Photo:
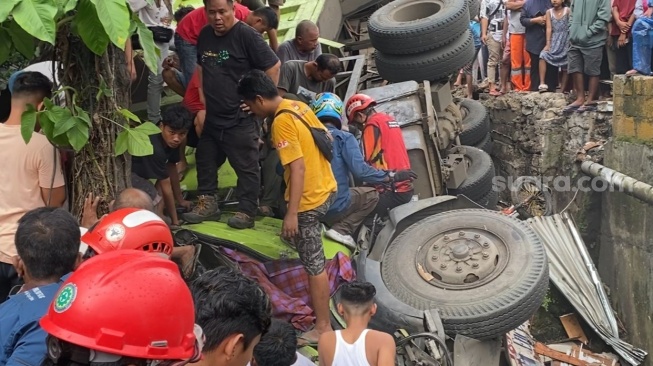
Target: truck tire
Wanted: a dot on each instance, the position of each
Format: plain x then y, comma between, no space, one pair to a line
486,144
480,173
414,26
474,9
476,122
490,200
431,65
429,266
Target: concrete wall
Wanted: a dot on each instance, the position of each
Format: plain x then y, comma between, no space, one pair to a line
626,240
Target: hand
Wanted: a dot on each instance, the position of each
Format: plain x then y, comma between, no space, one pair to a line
169,63
648,12
623,40
185,204
245,108
89,211
542,21
166,21
404,175
623,26
484,39
547,47
290,227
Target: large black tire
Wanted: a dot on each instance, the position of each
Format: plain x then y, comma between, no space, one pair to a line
494,304
490,200
476,122
474,9
486,144
414,26
431,65
480,173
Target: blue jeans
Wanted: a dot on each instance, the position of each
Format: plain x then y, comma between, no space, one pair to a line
642,44
187,54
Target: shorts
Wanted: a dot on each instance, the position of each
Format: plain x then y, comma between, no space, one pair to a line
147,187
587,61
308,242
467,70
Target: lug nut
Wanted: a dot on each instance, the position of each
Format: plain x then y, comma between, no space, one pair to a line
486,255
474,265
434,258
436,247
476,236
486,245
462,233
459,269
446,237
443,266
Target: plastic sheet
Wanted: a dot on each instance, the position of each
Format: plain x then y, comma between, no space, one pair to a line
642,32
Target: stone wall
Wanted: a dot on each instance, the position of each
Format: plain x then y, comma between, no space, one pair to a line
533,137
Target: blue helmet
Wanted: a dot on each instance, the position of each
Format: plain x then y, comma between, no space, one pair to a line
328,105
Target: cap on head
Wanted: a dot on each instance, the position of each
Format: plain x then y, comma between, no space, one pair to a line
358,103
121,303
130,228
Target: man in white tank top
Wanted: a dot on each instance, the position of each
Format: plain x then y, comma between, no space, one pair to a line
356,345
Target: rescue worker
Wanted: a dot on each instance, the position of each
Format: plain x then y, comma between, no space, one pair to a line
354,204
109,312
383,148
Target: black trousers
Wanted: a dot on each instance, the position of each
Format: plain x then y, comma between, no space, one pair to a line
551,74
8,279
239,144
389,200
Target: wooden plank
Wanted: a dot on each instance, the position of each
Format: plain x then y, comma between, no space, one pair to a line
542,349
573,328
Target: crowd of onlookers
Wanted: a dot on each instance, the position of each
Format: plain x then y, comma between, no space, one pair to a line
558,45
300,153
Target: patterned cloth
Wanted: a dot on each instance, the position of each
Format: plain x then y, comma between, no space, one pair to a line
286,282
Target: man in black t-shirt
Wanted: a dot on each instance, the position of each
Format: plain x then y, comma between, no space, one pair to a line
161,165
226,50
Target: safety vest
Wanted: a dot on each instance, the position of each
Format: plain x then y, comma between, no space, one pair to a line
392,154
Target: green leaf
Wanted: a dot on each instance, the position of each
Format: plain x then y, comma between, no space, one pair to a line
151,52
90,29
6,6
78,134
5,46
47,126
114,16
23,41
139,143
37,18
28,122
62,126
81,114
121,142
148,128
69,5
133,24
59,116
103,91
129,115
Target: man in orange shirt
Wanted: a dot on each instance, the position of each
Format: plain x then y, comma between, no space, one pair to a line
263,19
309,192
383,148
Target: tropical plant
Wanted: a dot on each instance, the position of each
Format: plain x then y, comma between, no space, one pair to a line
88,113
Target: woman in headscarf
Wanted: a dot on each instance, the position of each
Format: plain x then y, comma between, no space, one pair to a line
533,18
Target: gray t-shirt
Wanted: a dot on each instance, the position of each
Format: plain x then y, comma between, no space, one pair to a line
514,23
288,51
293,80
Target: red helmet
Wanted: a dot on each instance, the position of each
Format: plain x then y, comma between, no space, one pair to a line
122,303
357,103
130,228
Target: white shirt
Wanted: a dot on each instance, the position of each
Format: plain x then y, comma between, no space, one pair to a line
150,15
496,20
350,354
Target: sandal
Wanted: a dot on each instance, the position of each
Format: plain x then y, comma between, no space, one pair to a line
571,108
586,108
543,88
496,93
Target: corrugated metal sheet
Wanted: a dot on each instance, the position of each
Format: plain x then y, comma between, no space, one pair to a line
572,271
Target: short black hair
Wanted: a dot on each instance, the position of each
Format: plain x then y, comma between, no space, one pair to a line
304,26
357,293
226,303
32,84
206,2
278,346
177,117
182,12
330,62
47,241
257,83
268,15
